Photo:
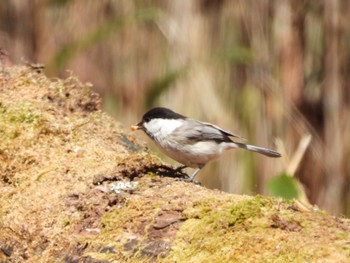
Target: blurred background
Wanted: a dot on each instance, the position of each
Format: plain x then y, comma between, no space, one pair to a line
274,72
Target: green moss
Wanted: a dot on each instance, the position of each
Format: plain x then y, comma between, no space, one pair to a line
23,114
66,222
118,218
20,125
119,224
250,230
18,119
257,229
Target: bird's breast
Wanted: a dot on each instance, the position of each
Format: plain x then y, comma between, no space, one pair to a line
191,154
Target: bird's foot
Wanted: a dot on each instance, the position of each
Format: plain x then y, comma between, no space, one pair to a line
188,180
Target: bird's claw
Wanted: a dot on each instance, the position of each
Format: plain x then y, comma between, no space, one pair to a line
188,180
180,168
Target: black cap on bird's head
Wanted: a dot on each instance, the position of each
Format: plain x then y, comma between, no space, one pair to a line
157,113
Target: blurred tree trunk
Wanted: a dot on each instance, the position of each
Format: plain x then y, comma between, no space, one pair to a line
259,23
332,107
291,63
292,53
37,13
293,73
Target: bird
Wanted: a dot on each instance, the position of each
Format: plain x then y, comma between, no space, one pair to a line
191,142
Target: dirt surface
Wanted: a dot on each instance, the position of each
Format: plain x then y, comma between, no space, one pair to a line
76,186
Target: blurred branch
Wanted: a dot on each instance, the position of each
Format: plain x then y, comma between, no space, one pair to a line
298,155
279,184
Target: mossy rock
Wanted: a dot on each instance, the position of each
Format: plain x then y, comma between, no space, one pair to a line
62,161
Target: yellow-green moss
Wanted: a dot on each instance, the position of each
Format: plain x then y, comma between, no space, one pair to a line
16,120
259,229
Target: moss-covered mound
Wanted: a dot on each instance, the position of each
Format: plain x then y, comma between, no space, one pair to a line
76,187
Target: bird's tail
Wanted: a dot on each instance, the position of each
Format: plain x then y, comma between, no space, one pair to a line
257,149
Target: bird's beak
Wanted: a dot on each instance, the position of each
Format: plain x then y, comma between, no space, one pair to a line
135,127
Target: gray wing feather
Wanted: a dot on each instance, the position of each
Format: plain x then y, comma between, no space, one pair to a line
195,131
228,133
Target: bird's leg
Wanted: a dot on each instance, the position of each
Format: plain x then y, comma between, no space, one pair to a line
191,179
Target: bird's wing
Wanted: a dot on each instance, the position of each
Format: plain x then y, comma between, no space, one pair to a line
194,131
228,133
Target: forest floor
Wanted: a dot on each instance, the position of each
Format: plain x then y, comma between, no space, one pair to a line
76,186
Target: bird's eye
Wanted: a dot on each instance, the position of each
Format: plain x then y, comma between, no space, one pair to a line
147,119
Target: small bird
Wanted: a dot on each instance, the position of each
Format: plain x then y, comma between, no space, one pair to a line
188,141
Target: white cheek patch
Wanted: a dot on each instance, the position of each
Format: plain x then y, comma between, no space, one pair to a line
163,127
